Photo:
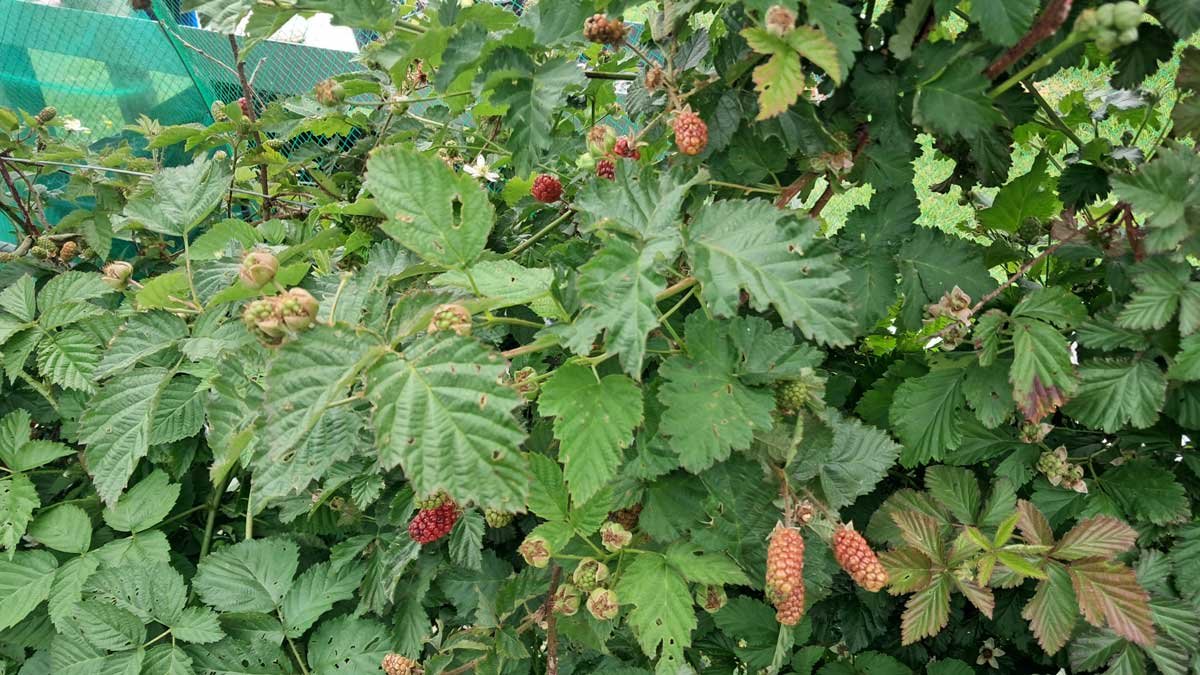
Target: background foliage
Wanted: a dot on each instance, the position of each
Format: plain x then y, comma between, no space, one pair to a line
932,271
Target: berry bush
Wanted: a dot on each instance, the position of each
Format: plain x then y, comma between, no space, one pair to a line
618,337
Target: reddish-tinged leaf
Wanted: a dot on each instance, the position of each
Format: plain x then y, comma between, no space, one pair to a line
1033,525
1108,593
921,532
1101,536
908,569
927,612
1052,612
977,595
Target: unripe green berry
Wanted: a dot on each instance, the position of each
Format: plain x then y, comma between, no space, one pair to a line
1127,15
1128,36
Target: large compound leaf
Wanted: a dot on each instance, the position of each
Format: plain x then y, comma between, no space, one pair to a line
753,246
636,204
180,197
594,419
443,416
443,217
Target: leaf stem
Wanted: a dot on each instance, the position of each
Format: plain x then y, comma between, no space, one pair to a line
745,188
1053,115
547,229
184,514
676,288
514,321
1041,62
211,520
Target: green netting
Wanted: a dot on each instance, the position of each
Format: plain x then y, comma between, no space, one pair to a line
105,64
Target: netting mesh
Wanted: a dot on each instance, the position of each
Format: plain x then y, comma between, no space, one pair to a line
106,64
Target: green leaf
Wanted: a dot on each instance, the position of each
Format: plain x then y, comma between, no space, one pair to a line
1103,333
1114,393
1163,189
179,410
533,98
237,657
1108,593
920,531
505,283
1052,612
908,569
167,660
702,567
1148,491
548,496
1042,374
20,299
839,23
443,217
218,238
778,260
617,288
1186,365
847,457
1181,16
144,505
65,528
1163,288
1100,536
931,265
250,576
642,204
780,80
18,499
69,359
1004,21
109,627
71,287
347,644
198,625
1026,199
709,412
1055,305
1080,184
663,616
25,581
306,376
180,197
442,414
955,103
925,415
594,422
989,394
315,592
143,336
927,611
466,540
957,489
116,426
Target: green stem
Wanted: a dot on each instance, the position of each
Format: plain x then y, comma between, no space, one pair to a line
1055,119
1041,62
514,321
675,289
211,520
187,261
185,514
666,315
295,652
158,637
744,188
523,246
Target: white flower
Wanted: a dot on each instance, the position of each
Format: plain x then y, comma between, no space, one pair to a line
622,88
481,170
72,124
988,654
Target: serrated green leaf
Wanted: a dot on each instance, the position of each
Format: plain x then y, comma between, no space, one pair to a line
663,616
921,532
167,660
116,426
548,496
1186,365
315,592
251,576
65,528
69,359
1147,490
180,197
1114,393
238,657
908,569
753,246
1100,536
1029,198
66,590
847,457
641,204
144,505
1163,189
957,489
71,287
1004,21
594,422
956,102
348,644
443,217
989,394
925,414
505,283
109,627
466,540
1052,612
1163,289
703,567
143,336
1042,374
931,264
709,412
20,298
442,415
198,625
18,499
533,97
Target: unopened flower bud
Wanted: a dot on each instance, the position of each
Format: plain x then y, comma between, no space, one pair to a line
258,268
535,550
117,274
299,308
614,536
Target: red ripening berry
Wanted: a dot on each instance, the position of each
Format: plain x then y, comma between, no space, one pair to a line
854,555
606,169
546,188
785,574
691,133
433,524
626,148
244,105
